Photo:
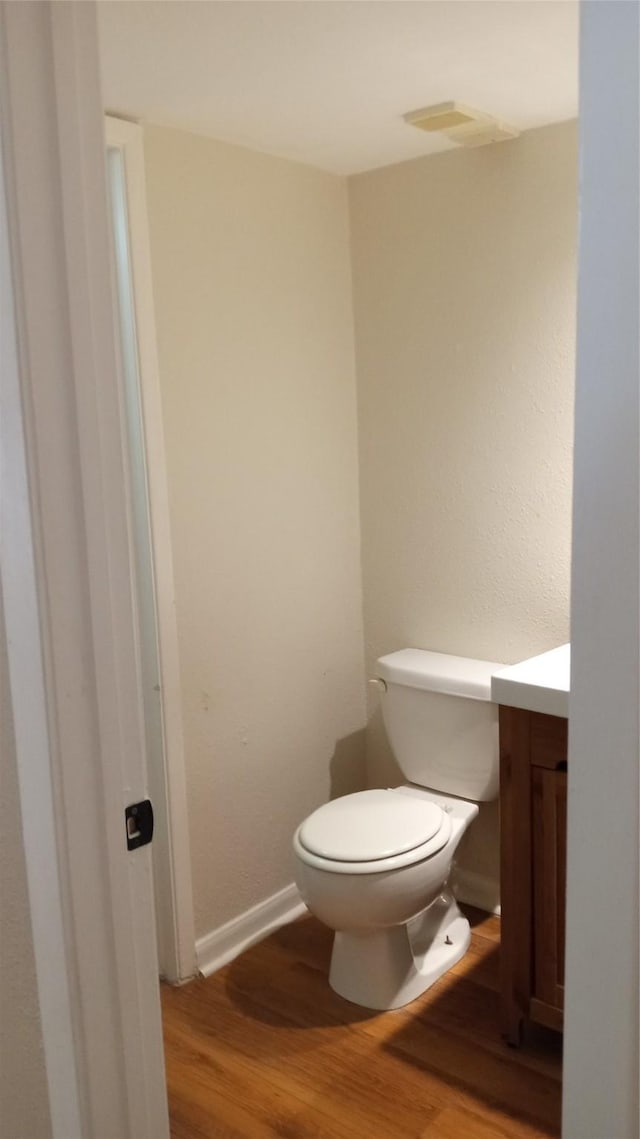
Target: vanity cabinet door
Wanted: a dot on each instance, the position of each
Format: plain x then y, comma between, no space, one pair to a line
549,842
533,843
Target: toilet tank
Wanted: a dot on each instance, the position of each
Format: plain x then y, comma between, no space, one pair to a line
440,721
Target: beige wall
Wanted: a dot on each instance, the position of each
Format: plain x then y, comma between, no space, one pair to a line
252,286
464,286
464,270
24,1100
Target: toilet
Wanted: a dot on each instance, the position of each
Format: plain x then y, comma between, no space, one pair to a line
375,866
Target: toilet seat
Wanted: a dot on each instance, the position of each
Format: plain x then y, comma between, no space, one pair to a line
372,831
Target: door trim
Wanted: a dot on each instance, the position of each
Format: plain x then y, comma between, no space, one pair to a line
29,712
67,406
172,857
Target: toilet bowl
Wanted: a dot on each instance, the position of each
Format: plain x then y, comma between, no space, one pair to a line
374,866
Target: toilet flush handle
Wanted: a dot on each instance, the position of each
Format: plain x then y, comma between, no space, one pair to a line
379,683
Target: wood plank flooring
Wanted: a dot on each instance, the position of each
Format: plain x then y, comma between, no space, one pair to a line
265,1048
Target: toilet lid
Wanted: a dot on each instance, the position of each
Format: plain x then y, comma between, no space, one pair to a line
370,825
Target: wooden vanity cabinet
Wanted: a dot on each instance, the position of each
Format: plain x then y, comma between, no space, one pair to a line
533,828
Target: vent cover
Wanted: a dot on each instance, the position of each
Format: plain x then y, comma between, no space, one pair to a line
461,124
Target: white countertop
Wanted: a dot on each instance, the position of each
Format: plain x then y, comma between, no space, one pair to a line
540,684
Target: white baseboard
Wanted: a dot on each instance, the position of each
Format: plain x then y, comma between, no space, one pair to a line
222,945
476,890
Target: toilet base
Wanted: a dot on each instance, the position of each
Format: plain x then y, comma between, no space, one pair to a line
388,968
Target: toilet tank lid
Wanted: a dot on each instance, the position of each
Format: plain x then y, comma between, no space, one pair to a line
439,672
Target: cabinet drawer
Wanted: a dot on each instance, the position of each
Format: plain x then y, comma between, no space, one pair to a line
547,741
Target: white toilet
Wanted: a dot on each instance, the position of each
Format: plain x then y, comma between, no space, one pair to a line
374,866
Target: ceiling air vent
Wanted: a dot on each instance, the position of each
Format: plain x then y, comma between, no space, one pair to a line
461,124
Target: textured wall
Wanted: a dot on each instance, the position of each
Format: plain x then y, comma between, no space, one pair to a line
24,1100
464,270
252,286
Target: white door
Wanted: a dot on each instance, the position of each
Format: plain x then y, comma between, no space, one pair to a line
601,1056
67,575
158,636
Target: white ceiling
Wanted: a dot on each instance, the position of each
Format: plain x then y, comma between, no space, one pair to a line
326,82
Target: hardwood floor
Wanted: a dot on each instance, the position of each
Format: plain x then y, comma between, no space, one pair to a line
264,1048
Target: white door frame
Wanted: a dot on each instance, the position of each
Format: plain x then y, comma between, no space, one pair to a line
167,780
67,580
31,729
